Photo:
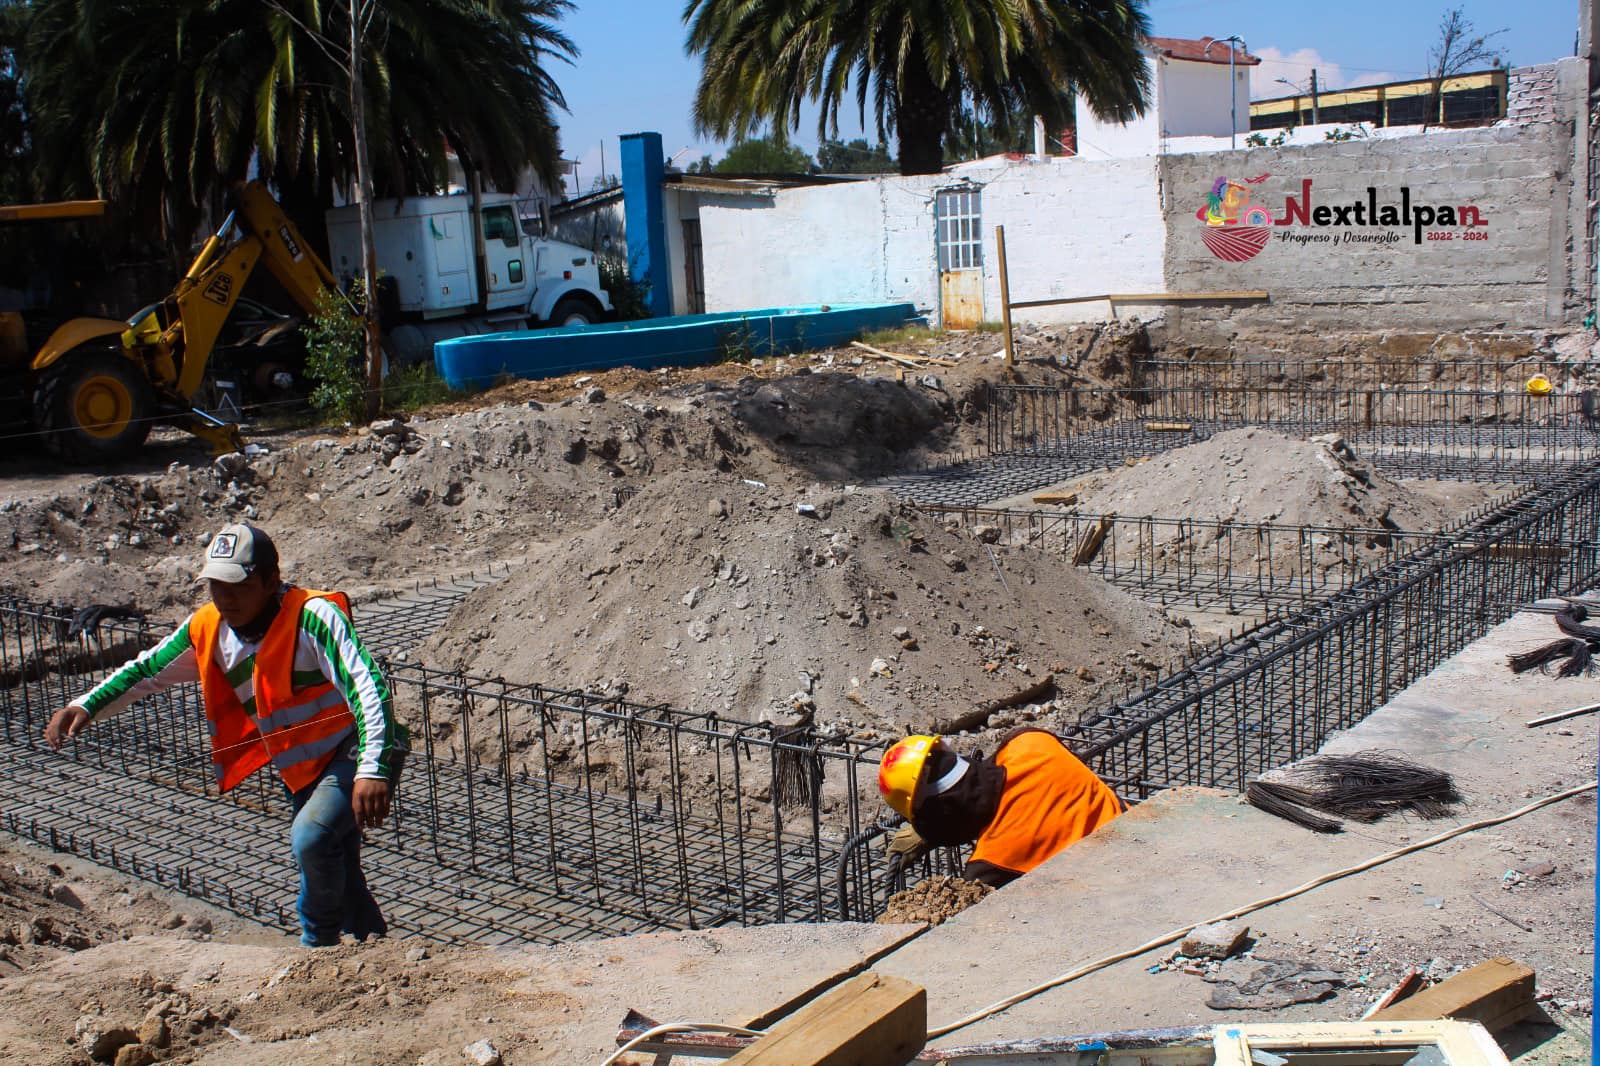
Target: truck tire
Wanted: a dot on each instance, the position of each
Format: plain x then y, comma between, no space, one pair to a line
573,311
94,406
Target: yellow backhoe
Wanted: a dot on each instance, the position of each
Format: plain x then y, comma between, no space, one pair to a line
99,384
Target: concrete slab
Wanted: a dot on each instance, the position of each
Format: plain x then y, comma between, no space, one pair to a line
1191,854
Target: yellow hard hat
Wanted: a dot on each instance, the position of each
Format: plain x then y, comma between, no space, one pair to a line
1539,385
901,769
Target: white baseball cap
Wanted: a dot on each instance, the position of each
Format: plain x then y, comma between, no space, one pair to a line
237,552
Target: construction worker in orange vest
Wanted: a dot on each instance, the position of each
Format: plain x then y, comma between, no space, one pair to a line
1029,801
285,681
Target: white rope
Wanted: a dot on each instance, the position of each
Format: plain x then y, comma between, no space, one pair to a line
1179,934
677,1027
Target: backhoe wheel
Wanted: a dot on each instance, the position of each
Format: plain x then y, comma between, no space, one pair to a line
94,406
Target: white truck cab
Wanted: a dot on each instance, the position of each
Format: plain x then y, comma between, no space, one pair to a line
429,246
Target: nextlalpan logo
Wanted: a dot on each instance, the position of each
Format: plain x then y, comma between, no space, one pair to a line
1237,227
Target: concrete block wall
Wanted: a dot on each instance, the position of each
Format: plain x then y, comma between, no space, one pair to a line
1531,94
1516,270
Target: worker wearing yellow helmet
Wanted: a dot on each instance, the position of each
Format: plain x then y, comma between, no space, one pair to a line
1021,806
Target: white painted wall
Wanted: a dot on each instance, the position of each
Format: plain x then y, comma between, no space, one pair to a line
1073,228
1121,140
1194,97
1189,99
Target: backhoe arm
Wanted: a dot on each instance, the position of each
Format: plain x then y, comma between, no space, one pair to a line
301,272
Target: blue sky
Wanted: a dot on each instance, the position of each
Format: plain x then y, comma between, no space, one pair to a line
633,74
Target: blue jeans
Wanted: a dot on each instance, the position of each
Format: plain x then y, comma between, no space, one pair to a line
327,848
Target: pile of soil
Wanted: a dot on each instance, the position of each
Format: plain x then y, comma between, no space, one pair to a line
716,593
1256,475
935,901
439,495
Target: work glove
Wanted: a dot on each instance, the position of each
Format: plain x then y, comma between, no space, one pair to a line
906,848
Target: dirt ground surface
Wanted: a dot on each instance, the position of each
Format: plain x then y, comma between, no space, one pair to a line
704,538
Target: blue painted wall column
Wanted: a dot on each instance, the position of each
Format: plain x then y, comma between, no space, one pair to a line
645,215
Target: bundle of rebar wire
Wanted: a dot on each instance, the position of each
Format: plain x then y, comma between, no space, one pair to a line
1363,787
1577,647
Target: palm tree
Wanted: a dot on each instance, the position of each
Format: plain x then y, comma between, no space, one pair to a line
189,95
916,60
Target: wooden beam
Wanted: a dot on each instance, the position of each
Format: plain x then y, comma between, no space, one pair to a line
58,210
1169,427
903,360
871,1018
1496,994
1149,297
1005,292
1062,498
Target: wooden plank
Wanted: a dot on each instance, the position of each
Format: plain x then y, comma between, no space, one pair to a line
1169,427
1495,994
767,1018
1150,297
1409,984
1062,498
58,210
903,360
871,1018
1089,547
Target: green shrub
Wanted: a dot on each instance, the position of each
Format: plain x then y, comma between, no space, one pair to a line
627,296
335,362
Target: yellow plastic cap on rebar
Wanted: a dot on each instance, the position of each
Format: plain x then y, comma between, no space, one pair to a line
901,769
1539,385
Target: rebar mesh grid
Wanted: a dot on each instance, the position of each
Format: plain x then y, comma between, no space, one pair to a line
527,813
1218,564
1273,694
1452,435
1510,375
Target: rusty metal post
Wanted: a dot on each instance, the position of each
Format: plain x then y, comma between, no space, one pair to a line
1005,290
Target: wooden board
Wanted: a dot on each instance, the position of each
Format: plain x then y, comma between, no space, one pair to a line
1496,994
1169,427
1062,498
868,1019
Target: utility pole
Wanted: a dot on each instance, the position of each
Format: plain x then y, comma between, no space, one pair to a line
1233,44
1316,114
369,264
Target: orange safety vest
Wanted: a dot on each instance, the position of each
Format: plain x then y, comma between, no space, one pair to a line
1050,800
298,730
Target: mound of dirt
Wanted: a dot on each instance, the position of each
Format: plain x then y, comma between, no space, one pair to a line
935,901
440,495
1256,475
720,594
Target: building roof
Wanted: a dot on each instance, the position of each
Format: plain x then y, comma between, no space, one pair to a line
1195,50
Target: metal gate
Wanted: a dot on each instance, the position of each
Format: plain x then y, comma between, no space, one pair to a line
960,242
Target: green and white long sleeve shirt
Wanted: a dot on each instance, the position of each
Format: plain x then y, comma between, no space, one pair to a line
327,649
